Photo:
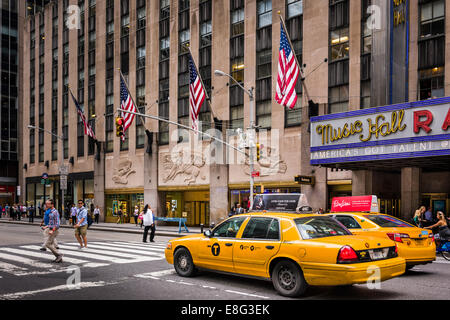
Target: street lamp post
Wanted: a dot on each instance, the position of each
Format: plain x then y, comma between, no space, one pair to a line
251,159
62,168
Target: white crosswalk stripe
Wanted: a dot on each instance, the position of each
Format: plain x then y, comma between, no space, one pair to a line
29,260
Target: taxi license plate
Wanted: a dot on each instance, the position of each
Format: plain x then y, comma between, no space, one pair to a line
419,242
378,254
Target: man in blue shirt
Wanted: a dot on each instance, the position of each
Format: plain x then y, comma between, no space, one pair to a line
43,225
428,217
52,229
82,224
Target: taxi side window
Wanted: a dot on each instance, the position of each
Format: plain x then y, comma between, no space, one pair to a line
262,228
348,221
229,228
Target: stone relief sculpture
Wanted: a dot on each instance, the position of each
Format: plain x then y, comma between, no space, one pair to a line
269,164
122,171
188,166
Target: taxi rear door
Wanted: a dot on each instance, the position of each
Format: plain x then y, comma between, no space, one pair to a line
259,242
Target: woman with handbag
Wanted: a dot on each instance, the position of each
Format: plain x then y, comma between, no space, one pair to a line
149,224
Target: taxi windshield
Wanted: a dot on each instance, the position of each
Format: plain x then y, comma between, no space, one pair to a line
387,221
279,202
320,227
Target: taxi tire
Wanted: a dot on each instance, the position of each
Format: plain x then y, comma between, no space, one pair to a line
183,264
288,279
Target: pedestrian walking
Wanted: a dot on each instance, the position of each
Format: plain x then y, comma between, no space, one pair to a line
52,230
141,218
73,214
44,224
149,224
96,214
82,224
136,215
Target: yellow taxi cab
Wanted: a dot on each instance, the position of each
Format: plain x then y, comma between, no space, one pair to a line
414,244
293,250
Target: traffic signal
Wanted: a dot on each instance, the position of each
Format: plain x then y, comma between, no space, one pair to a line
258,151
119,126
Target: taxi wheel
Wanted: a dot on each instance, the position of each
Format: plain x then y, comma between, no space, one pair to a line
183,263
288,280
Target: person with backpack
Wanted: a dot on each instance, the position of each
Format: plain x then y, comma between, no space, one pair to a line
149,223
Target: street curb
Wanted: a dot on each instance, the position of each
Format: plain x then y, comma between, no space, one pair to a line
159,233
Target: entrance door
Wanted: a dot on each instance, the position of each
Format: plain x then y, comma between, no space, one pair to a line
435,201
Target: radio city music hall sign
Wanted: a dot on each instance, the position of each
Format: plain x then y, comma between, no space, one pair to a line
416,129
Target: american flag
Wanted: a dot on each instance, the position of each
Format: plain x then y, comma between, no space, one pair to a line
197,93
87,128
288,72
126,103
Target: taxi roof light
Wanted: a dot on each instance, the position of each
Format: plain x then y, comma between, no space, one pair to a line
347,255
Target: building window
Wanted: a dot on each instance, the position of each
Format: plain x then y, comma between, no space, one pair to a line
339,50
263,91
164,55
294,26
431,49
431,83
366,56
264,11
204,64
237,65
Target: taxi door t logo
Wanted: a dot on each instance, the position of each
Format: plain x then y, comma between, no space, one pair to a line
215,249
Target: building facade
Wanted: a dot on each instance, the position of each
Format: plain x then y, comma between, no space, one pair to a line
354,55
11,21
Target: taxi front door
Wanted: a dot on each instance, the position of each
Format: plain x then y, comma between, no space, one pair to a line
216,252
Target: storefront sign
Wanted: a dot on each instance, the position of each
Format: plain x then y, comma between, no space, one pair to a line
305,180
355,204
409,130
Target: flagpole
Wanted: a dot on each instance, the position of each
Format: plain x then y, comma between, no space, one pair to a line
295,56
126,85
86,119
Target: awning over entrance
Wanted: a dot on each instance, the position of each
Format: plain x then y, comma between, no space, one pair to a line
413,134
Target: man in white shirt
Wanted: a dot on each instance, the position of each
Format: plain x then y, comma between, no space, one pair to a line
149,223
96,214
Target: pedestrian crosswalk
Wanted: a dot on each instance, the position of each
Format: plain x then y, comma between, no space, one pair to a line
29,260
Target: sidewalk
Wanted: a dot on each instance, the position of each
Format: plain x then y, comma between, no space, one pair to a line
161,230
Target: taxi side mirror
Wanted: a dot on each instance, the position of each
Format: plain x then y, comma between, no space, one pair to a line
207,233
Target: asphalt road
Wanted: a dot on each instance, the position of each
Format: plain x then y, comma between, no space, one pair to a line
119,266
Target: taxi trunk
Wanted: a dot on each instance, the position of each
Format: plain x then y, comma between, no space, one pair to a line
375,260
414,244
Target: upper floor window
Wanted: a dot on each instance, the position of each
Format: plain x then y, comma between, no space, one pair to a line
432,18
264,10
